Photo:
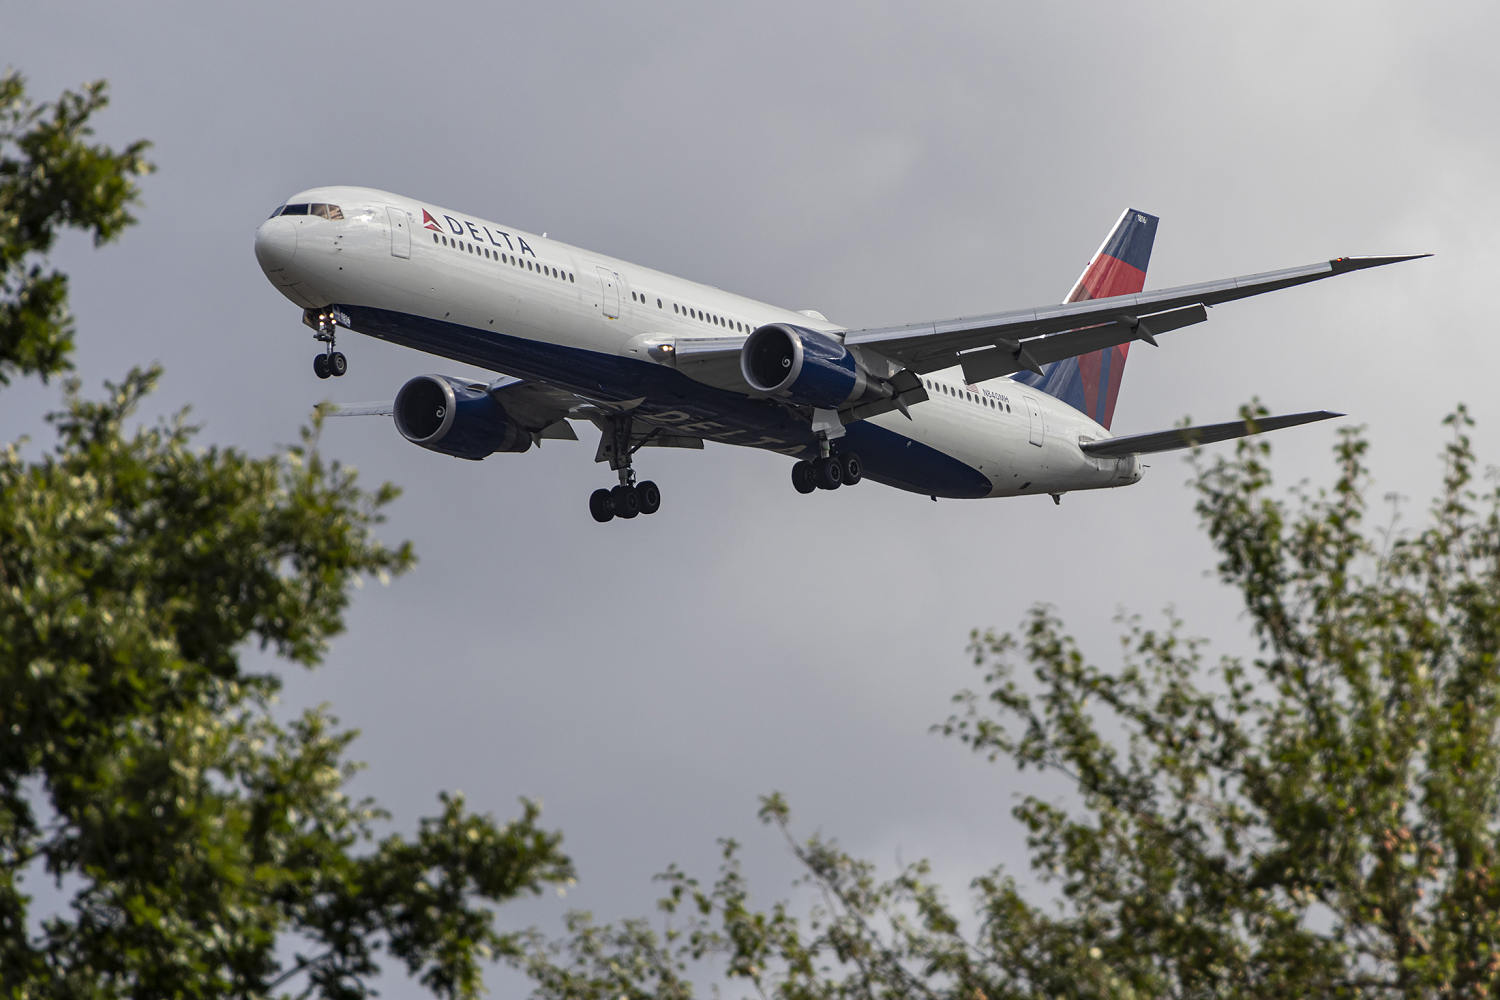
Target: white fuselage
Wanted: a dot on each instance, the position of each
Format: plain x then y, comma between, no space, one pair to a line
465,288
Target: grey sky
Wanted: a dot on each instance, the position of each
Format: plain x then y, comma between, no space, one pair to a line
880,163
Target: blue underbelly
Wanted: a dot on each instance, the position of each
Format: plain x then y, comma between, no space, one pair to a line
674,401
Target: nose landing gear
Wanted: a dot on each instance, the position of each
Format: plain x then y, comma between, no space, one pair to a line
330,362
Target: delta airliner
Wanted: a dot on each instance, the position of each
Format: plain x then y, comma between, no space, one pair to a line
998,405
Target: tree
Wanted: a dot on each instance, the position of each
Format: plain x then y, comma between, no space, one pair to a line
1318,818
198,846
51,178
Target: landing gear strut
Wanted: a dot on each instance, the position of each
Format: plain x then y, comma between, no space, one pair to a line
330,362
630,497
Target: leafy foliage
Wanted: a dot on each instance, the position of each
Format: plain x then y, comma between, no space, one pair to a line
1316,818
198,844
51,178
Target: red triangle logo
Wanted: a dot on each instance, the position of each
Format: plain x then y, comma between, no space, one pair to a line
428,222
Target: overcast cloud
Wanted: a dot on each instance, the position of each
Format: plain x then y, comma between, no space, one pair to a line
881,163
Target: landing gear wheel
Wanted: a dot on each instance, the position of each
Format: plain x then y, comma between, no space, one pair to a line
601,505
804,479
829,473
853,468
648,497
320,366
627,502
337,364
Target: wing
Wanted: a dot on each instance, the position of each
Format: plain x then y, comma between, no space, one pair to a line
1188,437
1002,343
1025,339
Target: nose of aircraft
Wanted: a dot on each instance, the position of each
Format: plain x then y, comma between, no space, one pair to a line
275,245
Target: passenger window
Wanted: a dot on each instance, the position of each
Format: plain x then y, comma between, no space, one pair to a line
658,304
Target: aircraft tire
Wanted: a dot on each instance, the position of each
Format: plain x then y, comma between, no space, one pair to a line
853,468
627,502
601,505
829,472
320,366
804,479
337,364
648,495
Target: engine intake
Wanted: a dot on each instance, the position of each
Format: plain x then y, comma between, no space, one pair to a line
803,366
450,416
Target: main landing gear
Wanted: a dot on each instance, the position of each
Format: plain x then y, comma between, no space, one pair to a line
827,473
330,362
630,497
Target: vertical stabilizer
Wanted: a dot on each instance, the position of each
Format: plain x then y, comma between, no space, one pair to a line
1091,382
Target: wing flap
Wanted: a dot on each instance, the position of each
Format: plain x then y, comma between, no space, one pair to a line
1188,437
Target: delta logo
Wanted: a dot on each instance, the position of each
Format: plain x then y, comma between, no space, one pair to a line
464,229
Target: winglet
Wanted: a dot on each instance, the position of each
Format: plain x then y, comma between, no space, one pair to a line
1342,264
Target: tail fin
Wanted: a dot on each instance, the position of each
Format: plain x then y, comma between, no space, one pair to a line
1091,382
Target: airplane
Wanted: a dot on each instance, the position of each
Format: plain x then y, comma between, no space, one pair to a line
1003,404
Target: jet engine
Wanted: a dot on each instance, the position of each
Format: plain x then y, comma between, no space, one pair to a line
803,366
457,418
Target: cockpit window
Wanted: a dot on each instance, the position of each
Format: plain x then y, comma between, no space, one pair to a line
279,210
321,209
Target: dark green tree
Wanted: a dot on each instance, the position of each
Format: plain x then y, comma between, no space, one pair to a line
195,844
51,179
1316,817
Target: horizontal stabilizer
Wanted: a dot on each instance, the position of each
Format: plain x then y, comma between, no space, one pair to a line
1188,437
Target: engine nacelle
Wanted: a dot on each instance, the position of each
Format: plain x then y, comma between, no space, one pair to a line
450,416
803,366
